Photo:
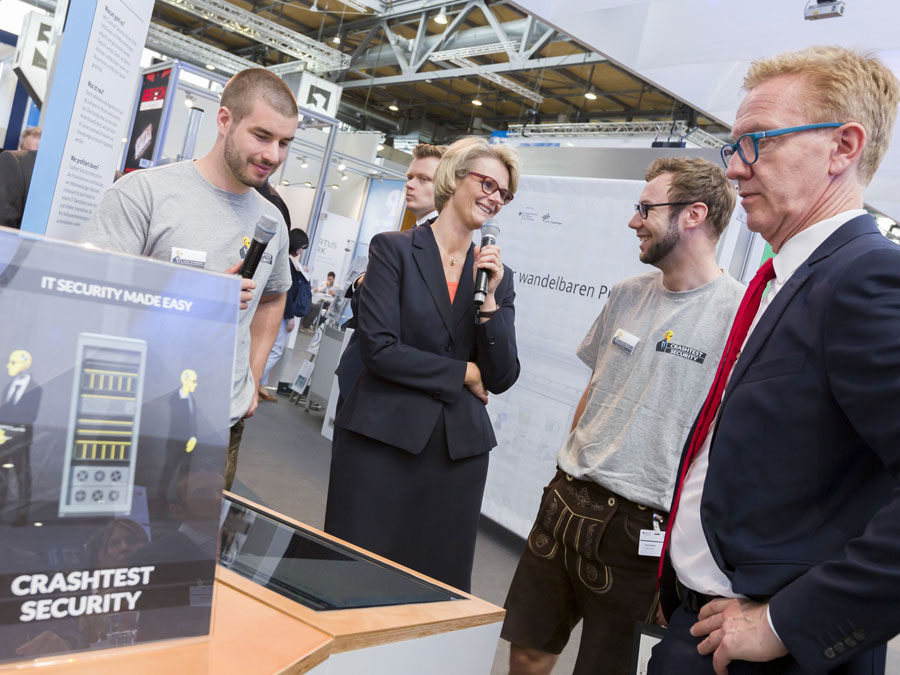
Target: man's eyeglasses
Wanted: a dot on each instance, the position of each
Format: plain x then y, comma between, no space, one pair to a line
747,145
489,186
644,208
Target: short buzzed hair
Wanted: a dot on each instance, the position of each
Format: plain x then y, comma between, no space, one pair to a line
844,86
697,180
252,84
424,151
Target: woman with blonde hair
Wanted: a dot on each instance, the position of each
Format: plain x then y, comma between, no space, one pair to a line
409,456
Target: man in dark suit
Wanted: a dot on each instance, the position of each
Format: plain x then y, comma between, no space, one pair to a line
19,405
785,547
16,167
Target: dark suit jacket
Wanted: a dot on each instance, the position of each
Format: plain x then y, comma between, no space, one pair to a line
801,501
414,346
350,365
26,410
16,167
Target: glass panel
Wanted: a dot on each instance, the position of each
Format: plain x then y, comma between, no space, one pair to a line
310,569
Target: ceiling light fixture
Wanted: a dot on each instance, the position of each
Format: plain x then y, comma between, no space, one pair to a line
210,66
590,95
303,163
307,184
441,18
335,186
344,176
341,166
189,101
476,102
336,39
394,107
380,147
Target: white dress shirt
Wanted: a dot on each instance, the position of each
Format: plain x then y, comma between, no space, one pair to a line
16,388
689,550
424,219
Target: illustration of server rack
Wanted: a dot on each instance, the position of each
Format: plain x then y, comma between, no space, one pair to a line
104,423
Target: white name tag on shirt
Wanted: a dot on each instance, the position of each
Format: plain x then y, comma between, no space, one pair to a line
625,340
185,256
651,543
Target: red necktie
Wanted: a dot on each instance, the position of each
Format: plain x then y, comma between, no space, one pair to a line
742,321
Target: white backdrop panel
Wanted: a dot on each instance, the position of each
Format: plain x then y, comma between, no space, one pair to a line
570,233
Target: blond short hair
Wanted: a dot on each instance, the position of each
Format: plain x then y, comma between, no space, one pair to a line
458,160
697,180
252,84
424,151
844,86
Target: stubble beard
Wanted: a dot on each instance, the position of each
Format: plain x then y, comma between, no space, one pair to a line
658,250
238,164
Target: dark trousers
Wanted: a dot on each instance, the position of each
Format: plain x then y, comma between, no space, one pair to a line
234,444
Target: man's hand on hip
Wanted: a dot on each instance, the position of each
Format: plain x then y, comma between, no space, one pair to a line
736,630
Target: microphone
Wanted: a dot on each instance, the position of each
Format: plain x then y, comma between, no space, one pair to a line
489,233
265,230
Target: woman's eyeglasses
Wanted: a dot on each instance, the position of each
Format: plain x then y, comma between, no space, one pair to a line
489,186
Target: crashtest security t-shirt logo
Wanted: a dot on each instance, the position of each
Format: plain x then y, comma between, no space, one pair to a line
667,346
245,246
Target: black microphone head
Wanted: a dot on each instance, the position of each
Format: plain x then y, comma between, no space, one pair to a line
266,228
491,230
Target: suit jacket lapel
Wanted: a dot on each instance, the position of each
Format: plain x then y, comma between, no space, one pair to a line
464,302
849,230
428,260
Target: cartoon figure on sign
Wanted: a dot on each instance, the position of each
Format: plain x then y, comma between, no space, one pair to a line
18,411
182,431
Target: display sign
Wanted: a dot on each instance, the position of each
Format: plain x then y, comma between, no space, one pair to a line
145,132
32,59
114,420
88,111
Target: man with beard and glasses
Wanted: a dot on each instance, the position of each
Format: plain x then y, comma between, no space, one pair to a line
653,351
203,213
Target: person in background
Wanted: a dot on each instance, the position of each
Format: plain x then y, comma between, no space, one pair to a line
31,139
204,209
653,351
327,286
16,168
784,550
420,202
297,304
411,442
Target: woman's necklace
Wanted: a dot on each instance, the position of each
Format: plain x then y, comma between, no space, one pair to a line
445,254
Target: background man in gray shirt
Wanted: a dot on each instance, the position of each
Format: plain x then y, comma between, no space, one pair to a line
202,213
593,551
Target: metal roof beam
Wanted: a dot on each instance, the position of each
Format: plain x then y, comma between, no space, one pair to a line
563,61
319,56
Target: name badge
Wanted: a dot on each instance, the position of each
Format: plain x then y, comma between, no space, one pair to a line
185,256
625,340
651,541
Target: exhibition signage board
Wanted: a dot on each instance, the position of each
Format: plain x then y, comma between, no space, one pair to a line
88,113
568,242
114,420
146,129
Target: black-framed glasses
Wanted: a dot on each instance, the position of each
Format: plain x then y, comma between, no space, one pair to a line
489,186
747,145
644,208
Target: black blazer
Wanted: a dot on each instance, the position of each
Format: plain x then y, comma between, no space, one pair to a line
801,502
16,167
350,365
414,346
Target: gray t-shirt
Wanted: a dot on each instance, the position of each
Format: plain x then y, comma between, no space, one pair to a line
172,213
654,354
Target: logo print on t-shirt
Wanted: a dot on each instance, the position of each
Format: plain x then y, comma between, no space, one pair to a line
668,347
266,256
